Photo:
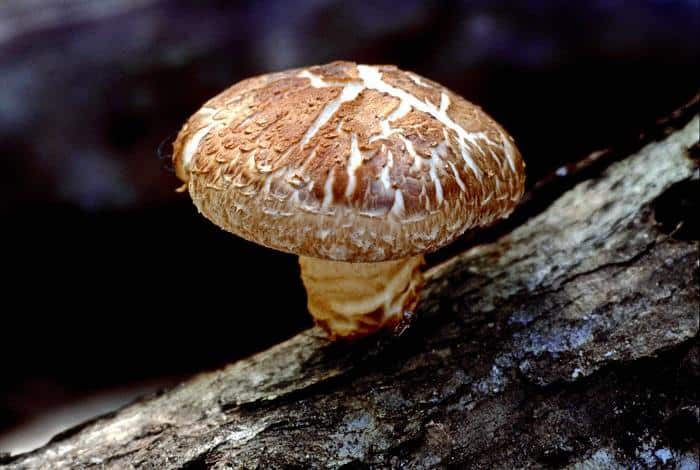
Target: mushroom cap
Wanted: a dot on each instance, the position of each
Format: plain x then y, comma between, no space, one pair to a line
347,162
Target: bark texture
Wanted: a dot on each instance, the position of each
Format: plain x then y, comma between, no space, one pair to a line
569,342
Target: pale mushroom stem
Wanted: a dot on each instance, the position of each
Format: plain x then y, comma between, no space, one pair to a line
355,299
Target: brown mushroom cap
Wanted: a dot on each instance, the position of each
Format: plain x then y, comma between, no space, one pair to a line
347,162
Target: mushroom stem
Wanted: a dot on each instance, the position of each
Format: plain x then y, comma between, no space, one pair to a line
355,299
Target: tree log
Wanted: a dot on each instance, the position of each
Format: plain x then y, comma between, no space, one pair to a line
570,341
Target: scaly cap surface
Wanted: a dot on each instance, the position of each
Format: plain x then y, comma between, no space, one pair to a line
347,162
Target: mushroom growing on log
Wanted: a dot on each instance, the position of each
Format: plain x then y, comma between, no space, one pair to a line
569,342
359,170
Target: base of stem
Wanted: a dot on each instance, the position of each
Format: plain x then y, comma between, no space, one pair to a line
350,300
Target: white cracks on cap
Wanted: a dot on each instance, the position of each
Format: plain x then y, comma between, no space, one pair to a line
193,142
273,176
412,152
436,156
468,160
465,156
372,79
354,162
436,181
398,206
418,81
460,183
385,124
316,81
401,110
350,91
444,102
384,175
510,154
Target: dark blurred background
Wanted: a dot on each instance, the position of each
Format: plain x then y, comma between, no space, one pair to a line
113,285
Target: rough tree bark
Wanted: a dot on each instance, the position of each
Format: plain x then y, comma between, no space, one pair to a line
569,341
